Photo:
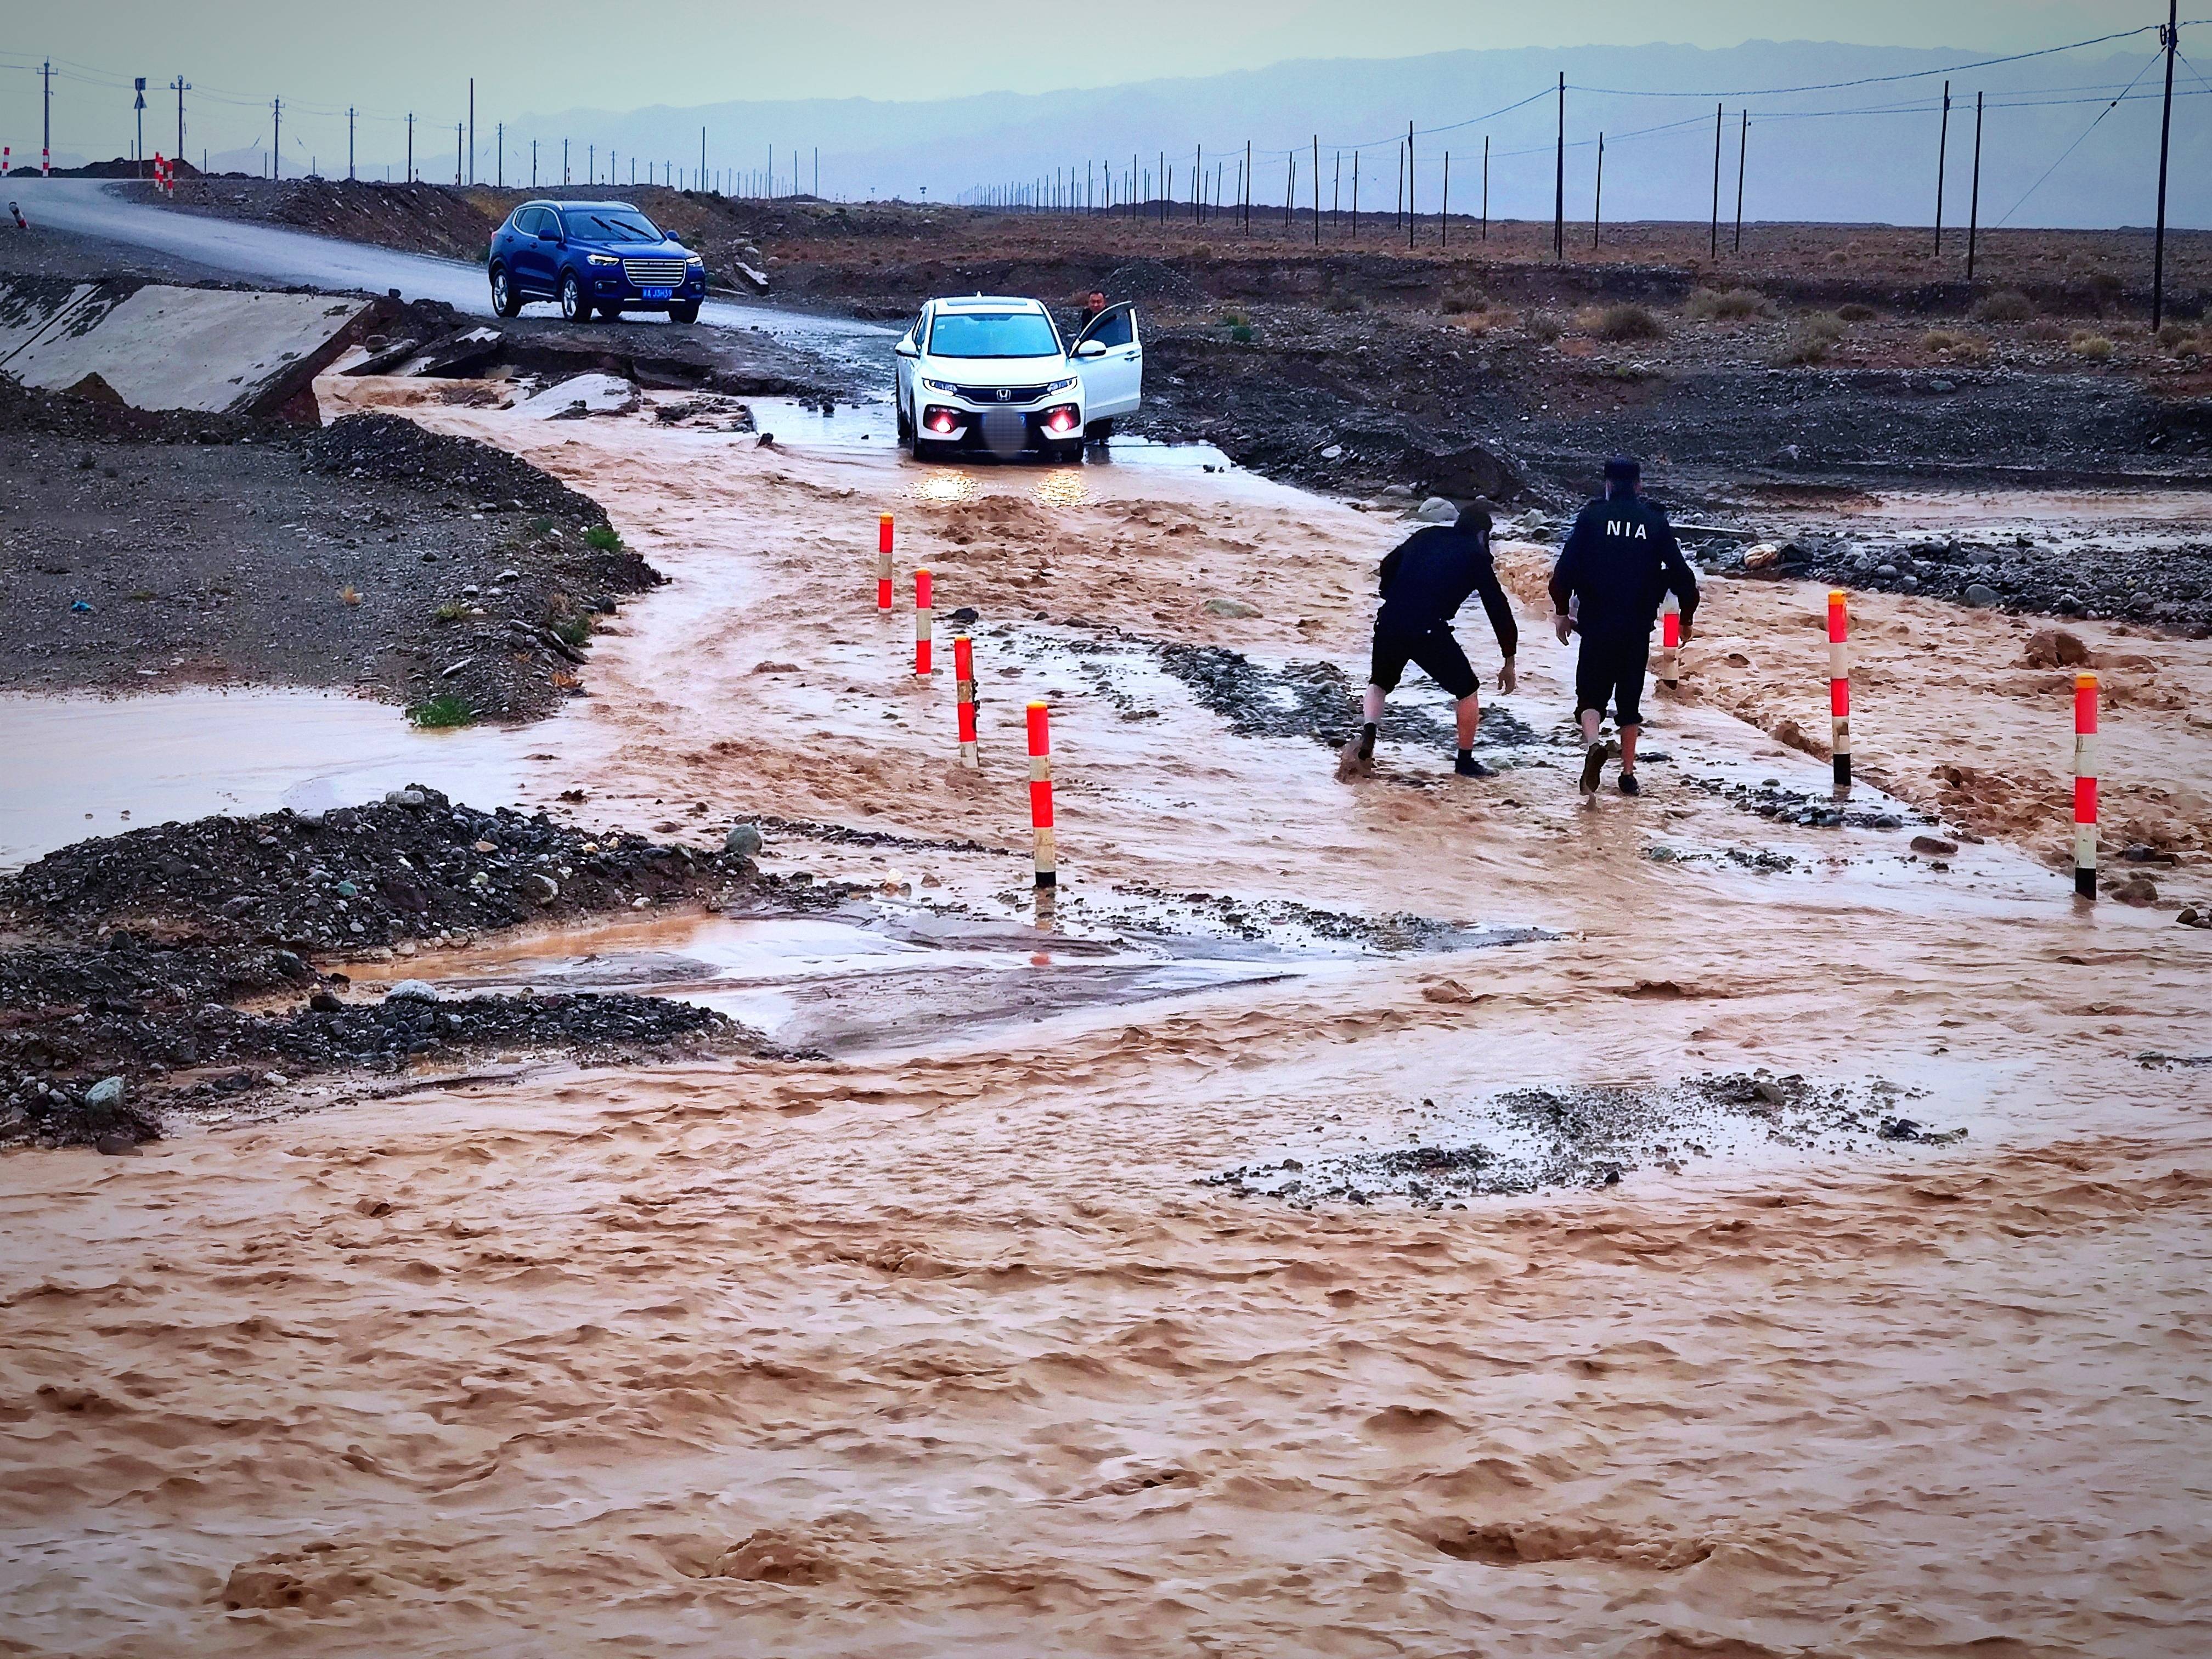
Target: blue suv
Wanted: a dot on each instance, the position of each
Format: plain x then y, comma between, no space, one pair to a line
602,257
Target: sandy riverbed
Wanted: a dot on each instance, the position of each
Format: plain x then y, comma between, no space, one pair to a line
942,1348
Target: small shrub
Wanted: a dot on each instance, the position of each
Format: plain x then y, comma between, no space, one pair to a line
1939,339
1460,302
540,526
1856,313
2172,335
1242,334
604,538
2095,347
350,594
1802,347
1620,323
1713,304
1544,326
453,610
1234,318
2005,306
2045,329
1827,325
447,708
572,630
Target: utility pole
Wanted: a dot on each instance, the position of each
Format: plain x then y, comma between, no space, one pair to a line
348,141
1974,200
180,87
533,164
1742,143
2172,43
702,158
1409,186
1443,219
139,107
499,156
1714,249
1316,189
1559,179
1942,146
1597,202
276,138
458,127
473,130
564,161
1485,186
1247,186
1355,196
410,175
46,131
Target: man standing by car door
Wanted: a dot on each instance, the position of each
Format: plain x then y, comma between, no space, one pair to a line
1425,581
1618,561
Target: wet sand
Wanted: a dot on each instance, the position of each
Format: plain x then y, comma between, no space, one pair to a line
945,1348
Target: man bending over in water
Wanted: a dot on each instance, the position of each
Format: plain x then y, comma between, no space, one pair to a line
1425,580
1618,561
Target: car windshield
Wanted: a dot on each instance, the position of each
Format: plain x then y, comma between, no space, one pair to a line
993,334
604,225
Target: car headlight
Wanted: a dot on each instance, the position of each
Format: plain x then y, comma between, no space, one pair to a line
601,259
941,386
1063,386
695,260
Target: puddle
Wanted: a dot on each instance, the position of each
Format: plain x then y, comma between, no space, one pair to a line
94,766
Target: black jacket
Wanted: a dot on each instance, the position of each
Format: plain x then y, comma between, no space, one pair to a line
1430,574
1619,560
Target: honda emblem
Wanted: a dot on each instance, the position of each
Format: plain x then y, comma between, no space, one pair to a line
1006,394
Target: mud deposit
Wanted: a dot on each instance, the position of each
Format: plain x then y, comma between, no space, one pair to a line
1544,1138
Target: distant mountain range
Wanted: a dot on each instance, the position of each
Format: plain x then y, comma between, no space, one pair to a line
1855,153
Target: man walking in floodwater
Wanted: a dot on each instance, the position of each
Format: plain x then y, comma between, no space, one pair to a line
1425,580
1619,562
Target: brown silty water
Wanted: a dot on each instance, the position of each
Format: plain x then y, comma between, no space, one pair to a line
945,1343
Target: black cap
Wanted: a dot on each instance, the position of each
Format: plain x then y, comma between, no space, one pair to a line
1623,469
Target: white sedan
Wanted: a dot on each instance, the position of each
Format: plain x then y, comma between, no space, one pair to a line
992,373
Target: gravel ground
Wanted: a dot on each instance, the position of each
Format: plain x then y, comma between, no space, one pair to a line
125,957
140,553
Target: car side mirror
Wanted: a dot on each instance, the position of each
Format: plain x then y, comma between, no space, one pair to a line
1091,349
903,349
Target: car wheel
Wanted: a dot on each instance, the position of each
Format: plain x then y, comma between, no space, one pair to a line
924,450
905,426
1098,431
505,302
1065,454
574,308
686,313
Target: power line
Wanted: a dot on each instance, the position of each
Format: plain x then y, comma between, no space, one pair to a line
2078,143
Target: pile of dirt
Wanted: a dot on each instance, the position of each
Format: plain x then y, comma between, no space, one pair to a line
418,217
127,956
388,449
1152,282
413,865
26,411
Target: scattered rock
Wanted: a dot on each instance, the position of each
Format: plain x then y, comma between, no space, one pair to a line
2137,890
1437,510
1980,595
1230,608
419,990
581,395
1934,847
742,842
2054,647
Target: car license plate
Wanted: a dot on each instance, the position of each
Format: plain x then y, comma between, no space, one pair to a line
658,293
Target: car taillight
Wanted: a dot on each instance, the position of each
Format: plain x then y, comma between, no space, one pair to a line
1060,420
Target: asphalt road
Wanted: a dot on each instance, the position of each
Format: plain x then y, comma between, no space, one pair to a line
269,253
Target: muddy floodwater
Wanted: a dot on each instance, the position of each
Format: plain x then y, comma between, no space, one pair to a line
1417,1216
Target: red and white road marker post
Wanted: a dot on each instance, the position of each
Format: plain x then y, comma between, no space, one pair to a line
883,565
1670,641
921,624
2085,786
1840,689
1048,864
964,674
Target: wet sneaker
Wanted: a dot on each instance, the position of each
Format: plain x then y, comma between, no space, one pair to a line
1593,765
1629,786
1366,750
1467,766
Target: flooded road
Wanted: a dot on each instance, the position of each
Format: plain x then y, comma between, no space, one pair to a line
982,1332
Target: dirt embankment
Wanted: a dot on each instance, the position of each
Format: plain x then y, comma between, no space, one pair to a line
192,960
139,550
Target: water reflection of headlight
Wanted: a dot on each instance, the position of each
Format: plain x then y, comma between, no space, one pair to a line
1062,487
945,488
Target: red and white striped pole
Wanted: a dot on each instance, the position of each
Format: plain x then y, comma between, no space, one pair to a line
921,623
2085,786
883,565
1670,641
1840,689
964,674
1047,867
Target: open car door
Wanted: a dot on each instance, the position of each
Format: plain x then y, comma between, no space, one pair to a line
1110,357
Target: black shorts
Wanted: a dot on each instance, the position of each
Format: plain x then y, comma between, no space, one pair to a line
1437,653
1612,670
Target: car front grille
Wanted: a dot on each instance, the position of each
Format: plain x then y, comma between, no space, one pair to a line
655,273
1000,394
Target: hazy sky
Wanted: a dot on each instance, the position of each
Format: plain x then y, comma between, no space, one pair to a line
399,55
